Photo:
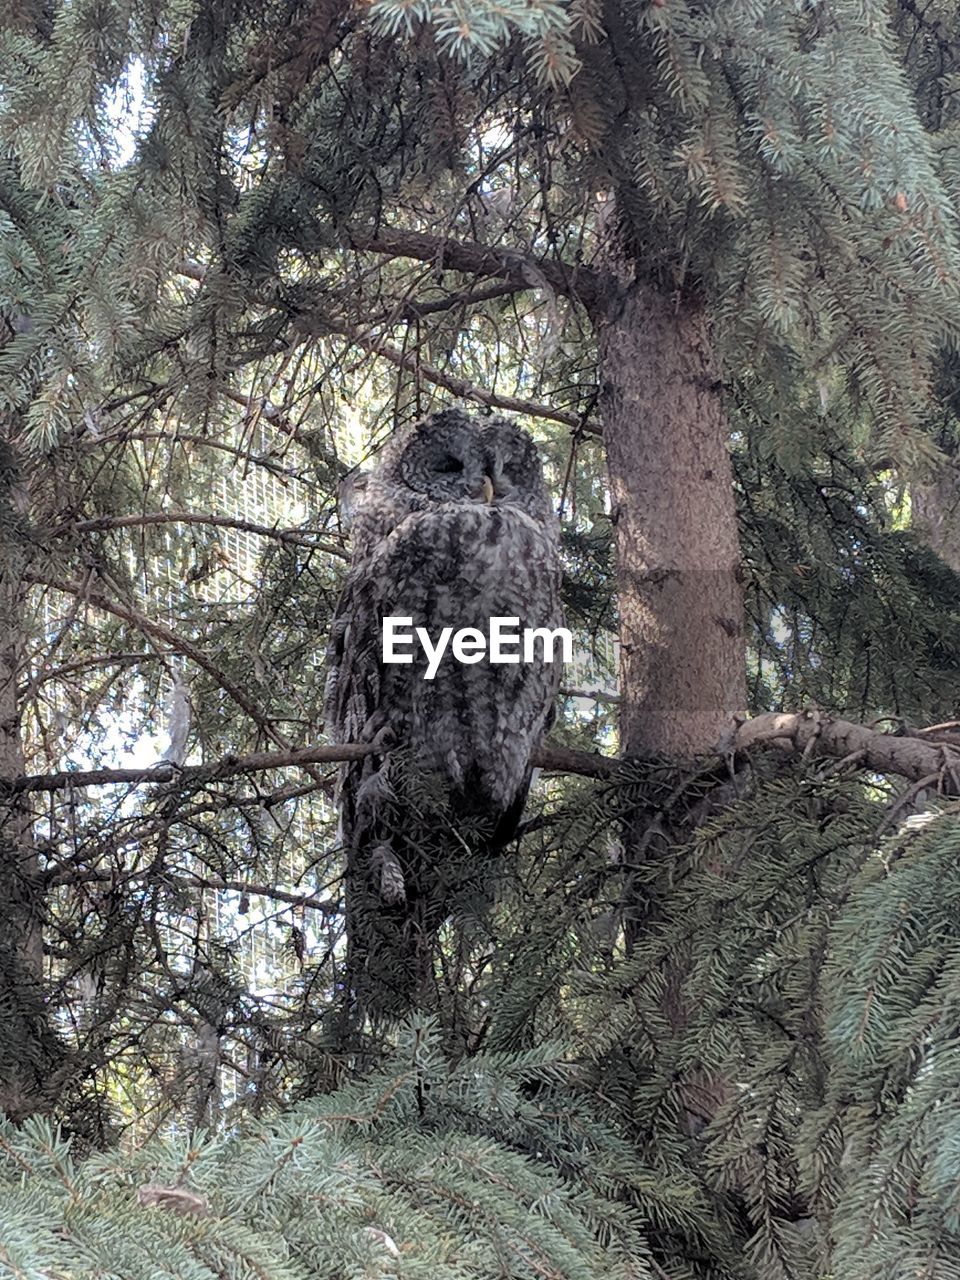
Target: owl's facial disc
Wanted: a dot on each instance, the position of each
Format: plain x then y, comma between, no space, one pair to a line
452,457
446,463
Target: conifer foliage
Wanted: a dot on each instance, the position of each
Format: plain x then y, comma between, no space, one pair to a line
703,1023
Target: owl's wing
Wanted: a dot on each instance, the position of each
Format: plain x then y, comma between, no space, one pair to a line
353,663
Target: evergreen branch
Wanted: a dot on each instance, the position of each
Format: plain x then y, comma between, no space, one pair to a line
577,282
413,363
158,631
554,759
293,536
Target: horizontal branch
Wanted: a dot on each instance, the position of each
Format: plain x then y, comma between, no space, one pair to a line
589,764
591,695
912,758
297,537
472,258
553,759
413,310
816,733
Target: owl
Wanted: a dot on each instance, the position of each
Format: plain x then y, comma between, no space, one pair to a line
453,527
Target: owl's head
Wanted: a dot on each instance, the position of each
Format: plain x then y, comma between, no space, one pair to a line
453,456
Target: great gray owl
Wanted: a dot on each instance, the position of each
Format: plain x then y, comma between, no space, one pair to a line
454,526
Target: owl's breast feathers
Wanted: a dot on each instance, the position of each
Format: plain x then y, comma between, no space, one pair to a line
477,725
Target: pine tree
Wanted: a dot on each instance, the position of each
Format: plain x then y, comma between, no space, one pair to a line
710,250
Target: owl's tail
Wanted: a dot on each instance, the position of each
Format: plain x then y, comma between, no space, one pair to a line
418,855
395,908
399,894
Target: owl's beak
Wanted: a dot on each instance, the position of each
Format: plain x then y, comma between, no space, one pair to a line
486,490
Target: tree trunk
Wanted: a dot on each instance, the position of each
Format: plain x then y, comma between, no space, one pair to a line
682,662
935,514
23,1033
682,669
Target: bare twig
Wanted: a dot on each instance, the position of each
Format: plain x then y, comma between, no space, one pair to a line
461,386
158,631
296,537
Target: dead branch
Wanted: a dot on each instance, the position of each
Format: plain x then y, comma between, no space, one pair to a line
818,734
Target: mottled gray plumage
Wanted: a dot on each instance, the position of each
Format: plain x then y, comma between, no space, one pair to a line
432,541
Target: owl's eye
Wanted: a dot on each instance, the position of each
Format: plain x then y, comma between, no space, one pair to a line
448,465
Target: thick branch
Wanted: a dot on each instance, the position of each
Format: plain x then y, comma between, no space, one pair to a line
811,732
557,759
467,256
413,310
907,757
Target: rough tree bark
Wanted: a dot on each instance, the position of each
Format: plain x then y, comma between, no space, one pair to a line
935,513
671,484
682,669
